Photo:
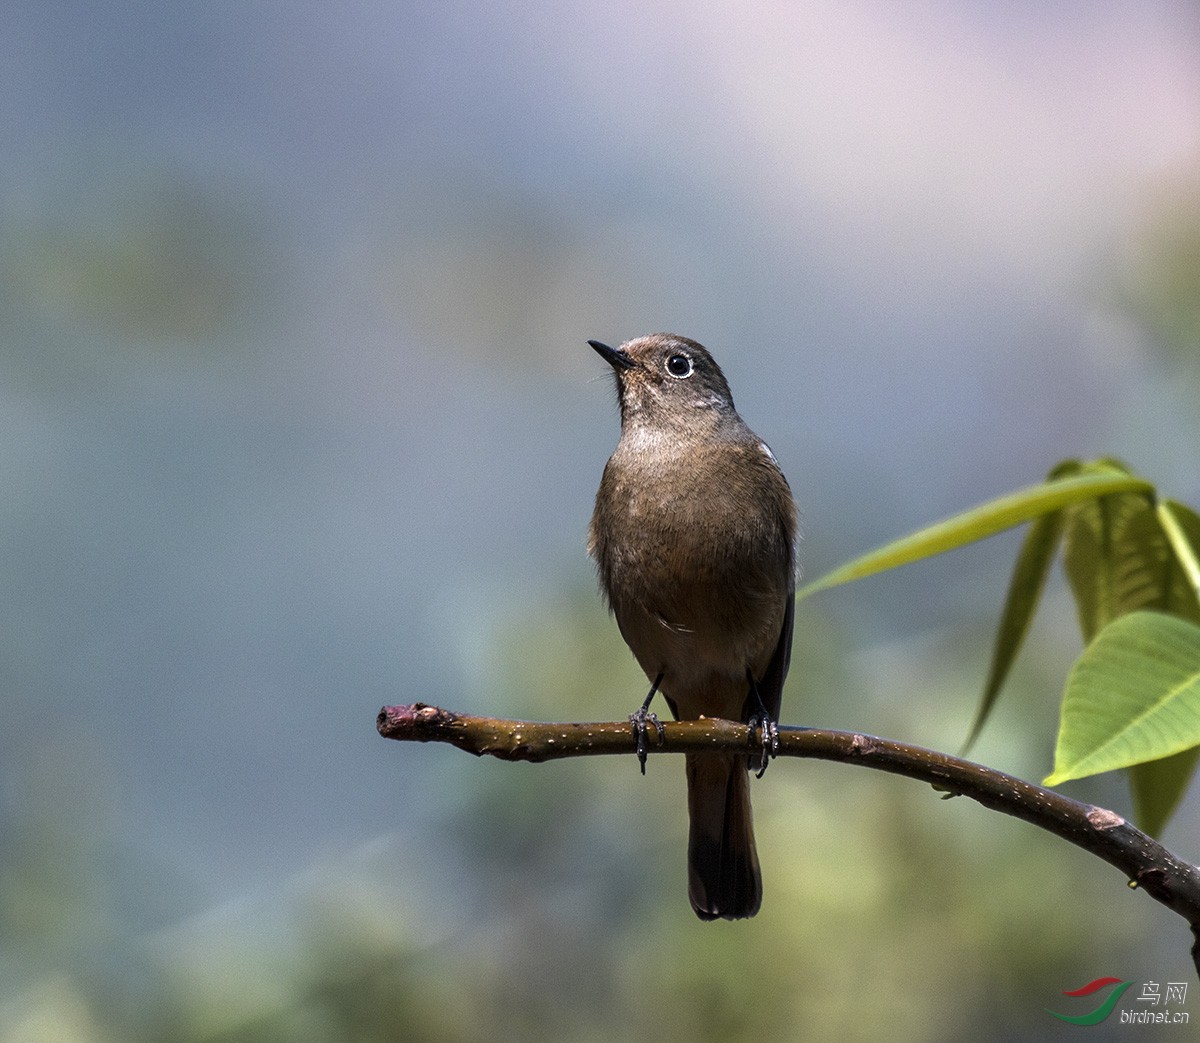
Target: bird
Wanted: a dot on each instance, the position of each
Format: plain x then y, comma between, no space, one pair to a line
693,535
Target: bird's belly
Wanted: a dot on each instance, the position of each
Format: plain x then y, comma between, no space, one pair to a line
703,661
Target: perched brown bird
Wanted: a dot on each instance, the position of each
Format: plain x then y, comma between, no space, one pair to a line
693,535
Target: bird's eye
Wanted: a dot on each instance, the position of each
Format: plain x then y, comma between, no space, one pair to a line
679,366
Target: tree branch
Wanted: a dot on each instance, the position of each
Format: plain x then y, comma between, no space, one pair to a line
1144,861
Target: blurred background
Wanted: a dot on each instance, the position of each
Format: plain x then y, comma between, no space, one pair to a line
297,418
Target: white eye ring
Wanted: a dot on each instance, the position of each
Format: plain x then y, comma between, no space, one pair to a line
679,366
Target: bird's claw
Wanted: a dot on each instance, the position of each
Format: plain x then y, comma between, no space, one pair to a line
639,720
767,739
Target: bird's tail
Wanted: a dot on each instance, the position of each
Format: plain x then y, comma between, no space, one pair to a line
723,875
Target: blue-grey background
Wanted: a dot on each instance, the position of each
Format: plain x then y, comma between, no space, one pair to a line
297,419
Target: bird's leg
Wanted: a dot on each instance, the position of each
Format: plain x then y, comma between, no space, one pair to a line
769,735
641,718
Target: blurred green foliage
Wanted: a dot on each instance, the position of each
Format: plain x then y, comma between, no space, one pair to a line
1161,280
153,259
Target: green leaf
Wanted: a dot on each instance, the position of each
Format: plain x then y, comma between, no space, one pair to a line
1124,554
1181,525
1133,696
1117,560
1024,590
1158,787
981,522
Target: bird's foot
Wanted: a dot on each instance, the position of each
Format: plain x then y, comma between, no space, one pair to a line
766,727
643,717
640,720
764,733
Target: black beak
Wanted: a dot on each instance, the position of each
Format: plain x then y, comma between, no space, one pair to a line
615,357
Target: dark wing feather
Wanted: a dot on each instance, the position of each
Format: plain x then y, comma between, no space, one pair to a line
770,685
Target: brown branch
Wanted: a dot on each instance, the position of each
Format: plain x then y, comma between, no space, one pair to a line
1144,861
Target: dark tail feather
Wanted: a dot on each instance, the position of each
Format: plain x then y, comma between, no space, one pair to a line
723,875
